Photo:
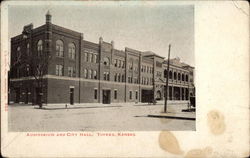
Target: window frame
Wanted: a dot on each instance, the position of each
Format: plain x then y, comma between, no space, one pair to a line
72,51
59,48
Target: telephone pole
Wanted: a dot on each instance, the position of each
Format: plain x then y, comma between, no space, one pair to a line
166,90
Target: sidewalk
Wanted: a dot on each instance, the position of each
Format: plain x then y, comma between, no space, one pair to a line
175,112
76,106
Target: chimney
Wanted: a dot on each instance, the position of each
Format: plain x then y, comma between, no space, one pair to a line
100,40
48,17
112,44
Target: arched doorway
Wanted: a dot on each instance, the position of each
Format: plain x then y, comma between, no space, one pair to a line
158,95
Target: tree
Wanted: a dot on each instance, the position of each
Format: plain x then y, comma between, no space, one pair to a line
37,66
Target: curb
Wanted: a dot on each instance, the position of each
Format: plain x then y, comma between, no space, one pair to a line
173,117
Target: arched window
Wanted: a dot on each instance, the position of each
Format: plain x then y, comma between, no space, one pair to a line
40,47
59,48
72,51
18,54
90,57
182,77
85,57
106,61
187,78
94,74
28,49
175,76
170,75
85,73
130,64
95,58
90,74
179,76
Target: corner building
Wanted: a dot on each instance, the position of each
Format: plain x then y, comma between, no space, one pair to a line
80,71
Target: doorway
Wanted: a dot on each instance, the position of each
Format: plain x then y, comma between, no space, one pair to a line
17,95
147,95
106,97
27,96
71,96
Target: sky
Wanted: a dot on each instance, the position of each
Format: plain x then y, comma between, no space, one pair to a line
140,27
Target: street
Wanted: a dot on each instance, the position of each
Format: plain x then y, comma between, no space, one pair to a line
95,117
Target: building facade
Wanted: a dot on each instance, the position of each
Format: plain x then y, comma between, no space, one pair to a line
78,71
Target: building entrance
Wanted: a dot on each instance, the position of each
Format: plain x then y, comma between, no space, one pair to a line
27,96
71,96
17,95
158,95
106,97
146,95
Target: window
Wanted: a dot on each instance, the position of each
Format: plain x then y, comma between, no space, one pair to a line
130,94
27,70
86,57
71,71
28,49
59,48
170,75
130,66
90,57
40,47
95,58
135,68
115,94
95,94
59,70
130,80
115,77
94,75
179,76
120,63
85,73
182,77
142,68
123,78
187,78
136,95
72,51
123,64
106,76
90,74
106,61
18,54
175,76
135,80
116,63
158,74
118,77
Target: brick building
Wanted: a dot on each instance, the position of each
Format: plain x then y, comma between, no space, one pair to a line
79,71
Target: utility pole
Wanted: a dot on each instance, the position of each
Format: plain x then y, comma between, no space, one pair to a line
166,90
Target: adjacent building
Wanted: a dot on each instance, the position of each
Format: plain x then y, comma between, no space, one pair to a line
79,71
